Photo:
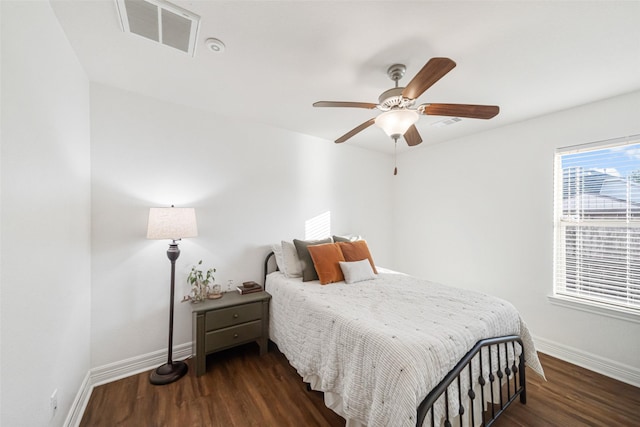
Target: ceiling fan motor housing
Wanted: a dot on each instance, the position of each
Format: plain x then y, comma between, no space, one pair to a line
392,99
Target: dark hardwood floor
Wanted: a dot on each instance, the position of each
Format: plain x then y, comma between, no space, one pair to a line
241,388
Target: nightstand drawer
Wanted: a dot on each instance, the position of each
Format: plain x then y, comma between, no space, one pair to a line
231,336
233,315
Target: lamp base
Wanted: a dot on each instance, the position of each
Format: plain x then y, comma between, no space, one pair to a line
168,373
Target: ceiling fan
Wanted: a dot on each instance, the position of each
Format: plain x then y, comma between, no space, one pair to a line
398,115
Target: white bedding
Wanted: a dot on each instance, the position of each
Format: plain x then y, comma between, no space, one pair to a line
378,347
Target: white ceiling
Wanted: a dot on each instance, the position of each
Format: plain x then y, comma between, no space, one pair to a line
529,57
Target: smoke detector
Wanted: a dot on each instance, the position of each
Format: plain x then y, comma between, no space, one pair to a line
214,45
160,21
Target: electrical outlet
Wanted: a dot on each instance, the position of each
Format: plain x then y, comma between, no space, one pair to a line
53,402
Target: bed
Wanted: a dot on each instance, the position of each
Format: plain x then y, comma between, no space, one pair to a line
399,351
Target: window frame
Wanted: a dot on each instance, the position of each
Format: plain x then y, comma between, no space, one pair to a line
560,295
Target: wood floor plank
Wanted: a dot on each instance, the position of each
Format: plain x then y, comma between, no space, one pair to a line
240,388
573,396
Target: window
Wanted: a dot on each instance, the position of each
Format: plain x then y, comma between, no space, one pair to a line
597,223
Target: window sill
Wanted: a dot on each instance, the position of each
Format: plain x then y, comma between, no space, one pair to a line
621,313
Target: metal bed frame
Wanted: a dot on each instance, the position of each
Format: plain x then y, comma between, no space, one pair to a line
509,374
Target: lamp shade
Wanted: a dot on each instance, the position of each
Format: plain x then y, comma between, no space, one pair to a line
172,223
395,123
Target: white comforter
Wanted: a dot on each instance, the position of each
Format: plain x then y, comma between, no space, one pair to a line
382,345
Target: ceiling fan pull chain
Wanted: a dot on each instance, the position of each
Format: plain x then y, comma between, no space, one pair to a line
395,156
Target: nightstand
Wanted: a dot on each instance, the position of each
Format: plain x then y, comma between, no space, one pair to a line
227,322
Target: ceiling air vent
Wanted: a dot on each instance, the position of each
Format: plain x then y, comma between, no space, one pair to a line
446,122
160,21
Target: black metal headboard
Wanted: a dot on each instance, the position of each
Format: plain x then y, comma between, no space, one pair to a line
266,268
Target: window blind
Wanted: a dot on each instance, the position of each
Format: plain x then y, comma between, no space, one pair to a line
597,223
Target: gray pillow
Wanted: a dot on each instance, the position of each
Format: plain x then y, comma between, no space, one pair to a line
308,270
346,238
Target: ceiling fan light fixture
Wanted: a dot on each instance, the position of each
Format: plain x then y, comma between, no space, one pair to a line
395,123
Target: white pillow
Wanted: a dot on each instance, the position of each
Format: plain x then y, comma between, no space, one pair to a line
292,266
277,251
357,271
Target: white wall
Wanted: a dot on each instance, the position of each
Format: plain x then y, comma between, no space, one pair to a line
45,200
251,185
478,213
71,303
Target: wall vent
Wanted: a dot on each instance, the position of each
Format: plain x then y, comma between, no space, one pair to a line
160,21
446,122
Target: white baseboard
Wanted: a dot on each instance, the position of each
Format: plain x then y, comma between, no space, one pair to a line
79,403
118,370
134,365
601,365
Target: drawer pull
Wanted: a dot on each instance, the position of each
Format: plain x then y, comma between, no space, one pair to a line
235,335
231,316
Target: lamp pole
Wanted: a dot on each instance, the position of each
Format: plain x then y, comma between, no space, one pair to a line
174,224
171,371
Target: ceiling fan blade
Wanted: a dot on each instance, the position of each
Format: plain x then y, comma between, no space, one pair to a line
433,70
412,136
368,105
355,130
460,110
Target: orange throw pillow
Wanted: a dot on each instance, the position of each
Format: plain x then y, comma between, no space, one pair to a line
326,259
357,251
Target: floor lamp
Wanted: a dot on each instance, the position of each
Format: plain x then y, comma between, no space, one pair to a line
174,224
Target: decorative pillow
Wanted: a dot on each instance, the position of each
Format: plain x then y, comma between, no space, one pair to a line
277,251
325,260
357,271
306,263
357,251
347,238
292,267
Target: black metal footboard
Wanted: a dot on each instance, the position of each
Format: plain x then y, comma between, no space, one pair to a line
488,350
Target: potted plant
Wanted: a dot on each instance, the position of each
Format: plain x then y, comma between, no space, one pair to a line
199,281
